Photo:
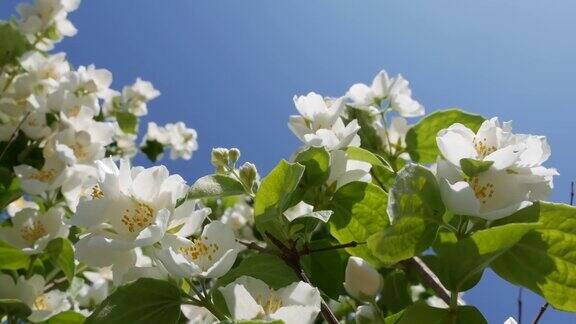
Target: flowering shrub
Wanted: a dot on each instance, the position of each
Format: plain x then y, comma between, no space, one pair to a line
372,220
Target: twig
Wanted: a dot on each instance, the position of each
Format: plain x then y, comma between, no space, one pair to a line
571,193
540,313
307,249
13,136
428,277
253,246
520,305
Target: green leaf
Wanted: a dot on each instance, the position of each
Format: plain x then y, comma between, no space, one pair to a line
61,255
143,301
11,191
421,138
14,307
128,122
396,290
461,260
326,269
544,260
215,185
360,154
359,211
407,237
472,167
68,317
274,197
266,267
422,313
371,140
317,163
416,194
394,318
12,258
416,207
12,44
153,149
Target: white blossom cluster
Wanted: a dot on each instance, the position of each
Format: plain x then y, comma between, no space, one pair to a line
129,222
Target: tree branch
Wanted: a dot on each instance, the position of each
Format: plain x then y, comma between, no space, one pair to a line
14,134
428,277
254,246
540,313
520,305
307,250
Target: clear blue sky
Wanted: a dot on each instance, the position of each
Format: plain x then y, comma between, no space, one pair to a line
230,69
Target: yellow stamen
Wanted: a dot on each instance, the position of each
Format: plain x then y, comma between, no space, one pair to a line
33,232
138,218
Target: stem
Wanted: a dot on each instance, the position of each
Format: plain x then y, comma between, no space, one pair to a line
453,300
378,311
324,308
429,278
540,313
307,249
254,246
204,300
520,305
571,193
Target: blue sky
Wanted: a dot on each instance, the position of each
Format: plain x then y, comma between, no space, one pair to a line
230,69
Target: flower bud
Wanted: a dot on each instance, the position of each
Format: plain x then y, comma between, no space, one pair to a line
219,157
234,155
248,174
365,314
361,280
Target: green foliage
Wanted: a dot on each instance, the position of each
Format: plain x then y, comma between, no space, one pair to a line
14,307
416,208
404,239
472,167
61,254
544,260
421,138
128,122
143,301
371,141
326,269
274,197
396,291
316,160
215,185
460,263
422,313
359,212
12,258
360,154
68,317
153,149
12,44
9,188
266,267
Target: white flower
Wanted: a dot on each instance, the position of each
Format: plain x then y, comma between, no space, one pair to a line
36,182
47,14
20,204
210,255
180,139
32,230
395,90
492,194
45,70
137,95
31,292
240,217
249,298
362,281
344,170
130,208
95,292
394,136
320,124
198,315
514,179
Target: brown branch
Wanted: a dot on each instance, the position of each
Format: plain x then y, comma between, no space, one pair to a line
428,277
254,246
571,193
540,313
324,308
